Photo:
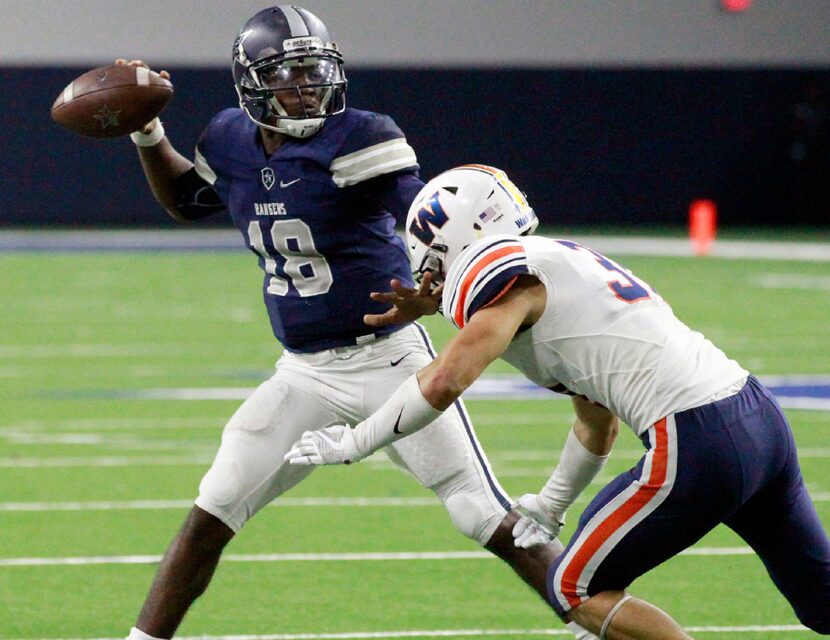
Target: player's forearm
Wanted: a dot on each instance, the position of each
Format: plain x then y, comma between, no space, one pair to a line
162,165
415,404
405,412
576,469
468,354
451,374
595,426
422,398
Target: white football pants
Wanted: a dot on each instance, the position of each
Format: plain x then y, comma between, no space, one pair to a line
347,384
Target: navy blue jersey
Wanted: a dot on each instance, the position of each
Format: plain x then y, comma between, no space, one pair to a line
320,215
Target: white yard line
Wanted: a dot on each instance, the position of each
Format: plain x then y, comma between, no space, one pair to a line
318,557
184,503
133,505
91,350
450,633
115,424
104,461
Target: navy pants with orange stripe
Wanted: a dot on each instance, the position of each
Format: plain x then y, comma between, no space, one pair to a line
732,462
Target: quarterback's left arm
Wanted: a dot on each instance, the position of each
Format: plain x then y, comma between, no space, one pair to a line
392,192
424,396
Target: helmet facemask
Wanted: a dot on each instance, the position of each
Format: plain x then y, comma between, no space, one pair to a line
287,71
432,262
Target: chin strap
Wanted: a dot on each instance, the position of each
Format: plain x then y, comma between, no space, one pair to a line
294,128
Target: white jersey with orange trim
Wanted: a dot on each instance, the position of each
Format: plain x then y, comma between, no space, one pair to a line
605,334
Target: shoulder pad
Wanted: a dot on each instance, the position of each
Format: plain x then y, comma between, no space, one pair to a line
481,275
375,146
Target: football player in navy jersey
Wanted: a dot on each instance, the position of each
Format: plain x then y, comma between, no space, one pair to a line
315,189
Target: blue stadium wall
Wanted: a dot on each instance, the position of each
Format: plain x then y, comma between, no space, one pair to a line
590,147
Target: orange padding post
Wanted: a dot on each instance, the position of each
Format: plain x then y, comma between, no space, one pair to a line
703,225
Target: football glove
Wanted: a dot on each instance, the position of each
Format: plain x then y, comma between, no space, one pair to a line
536,526
331,445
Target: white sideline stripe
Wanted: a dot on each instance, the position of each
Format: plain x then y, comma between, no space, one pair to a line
730,249
129,505
320,557
170,461
447,633
499,386
228,239
793,281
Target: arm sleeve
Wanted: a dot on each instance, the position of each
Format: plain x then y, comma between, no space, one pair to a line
391,192
576,469
405,412
481,275
195,197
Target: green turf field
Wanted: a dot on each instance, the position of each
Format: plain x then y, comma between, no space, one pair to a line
85,475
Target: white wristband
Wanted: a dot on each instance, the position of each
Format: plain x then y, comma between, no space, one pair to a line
577,467
148,139
405,412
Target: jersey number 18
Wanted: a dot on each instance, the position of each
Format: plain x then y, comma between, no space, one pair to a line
302,265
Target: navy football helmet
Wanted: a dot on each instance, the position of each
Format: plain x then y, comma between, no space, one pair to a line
287,72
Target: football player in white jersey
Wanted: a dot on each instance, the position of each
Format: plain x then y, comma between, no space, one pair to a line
718,447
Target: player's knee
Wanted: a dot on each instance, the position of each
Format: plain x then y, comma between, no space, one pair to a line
220,490
204,532
471,517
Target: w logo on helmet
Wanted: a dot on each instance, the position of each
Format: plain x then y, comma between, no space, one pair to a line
430,215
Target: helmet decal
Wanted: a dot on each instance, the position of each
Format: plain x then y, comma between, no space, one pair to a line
431,214
310,43
238,48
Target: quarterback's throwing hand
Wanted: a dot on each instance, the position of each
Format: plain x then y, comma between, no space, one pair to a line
331,445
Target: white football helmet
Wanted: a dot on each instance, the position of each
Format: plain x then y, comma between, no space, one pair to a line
458,207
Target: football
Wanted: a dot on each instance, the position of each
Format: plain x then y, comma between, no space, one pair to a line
111,101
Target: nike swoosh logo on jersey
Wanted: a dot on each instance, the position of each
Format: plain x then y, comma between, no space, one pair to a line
283,185
395,363
398,421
